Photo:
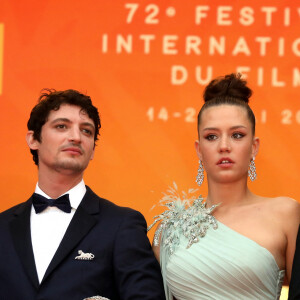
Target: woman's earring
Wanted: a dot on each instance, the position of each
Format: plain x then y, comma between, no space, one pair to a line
252,170
200,175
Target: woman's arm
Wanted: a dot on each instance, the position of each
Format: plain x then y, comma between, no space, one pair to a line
291,220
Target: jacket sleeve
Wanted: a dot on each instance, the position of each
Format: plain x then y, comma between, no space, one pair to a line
294,290
137,272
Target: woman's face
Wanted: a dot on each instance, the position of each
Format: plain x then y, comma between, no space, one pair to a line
226,143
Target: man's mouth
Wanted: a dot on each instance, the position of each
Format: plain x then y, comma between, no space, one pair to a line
72,150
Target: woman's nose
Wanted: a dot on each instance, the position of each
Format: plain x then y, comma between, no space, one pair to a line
224,145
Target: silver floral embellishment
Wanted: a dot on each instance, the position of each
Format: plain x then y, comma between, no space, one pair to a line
185,215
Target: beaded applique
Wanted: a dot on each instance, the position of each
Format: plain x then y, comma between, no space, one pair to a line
182,218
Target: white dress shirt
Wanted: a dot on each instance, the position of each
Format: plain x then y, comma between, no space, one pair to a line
49,227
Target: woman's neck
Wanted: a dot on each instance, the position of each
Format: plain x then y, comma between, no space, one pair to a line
229,194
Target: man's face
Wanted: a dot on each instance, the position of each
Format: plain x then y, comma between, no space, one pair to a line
67,141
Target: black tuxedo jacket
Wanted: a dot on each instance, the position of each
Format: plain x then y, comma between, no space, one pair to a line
124,266
294,291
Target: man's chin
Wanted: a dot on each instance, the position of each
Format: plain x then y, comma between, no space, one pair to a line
70,167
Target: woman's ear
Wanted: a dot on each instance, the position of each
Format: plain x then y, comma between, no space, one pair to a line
255,146
198,149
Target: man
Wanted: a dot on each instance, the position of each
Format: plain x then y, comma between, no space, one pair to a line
294,291
65,242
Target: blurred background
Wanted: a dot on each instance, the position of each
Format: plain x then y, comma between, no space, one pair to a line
145,65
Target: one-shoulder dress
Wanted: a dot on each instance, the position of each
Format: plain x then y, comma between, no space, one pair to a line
201,258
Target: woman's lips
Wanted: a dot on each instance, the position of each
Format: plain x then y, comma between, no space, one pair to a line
225,162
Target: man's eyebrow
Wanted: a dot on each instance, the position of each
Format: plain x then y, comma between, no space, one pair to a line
88,124
61,120
66,120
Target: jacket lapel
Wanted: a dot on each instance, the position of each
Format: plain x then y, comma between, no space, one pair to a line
21,235
82,222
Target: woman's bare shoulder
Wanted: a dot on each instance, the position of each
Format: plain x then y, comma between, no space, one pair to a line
284,204
284,207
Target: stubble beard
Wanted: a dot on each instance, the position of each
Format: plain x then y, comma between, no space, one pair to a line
69,165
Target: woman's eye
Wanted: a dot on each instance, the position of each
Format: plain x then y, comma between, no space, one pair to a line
211,137
238,135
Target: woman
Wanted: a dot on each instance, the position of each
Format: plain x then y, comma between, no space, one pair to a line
235,245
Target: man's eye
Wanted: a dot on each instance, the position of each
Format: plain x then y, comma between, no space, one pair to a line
87,131
60,126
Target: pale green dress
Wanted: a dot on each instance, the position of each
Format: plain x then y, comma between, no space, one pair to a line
202,258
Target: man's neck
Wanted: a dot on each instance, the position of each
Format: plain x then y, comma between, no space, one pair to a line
55,186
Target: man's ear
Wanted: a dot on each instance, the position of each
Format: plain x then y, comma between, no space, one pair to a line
198,149
255,146
93,154
32,143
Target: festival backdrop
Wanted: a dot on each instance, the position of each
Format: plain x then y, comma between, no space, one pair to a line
145,65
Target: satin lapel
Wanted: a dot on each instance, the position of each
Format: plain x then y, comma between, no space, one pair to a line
82,222
21,235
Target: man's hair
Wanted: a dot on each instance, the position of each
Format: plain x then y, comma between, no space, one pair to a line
51,99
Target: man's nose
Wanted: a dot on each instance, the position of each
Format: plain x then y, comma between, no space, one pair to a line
75,135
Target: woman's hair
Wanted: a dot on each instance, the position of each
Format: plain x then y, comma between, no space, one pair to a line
229,90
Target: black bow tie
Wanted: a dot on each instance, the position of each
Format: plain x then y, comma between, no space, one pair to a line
40,203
